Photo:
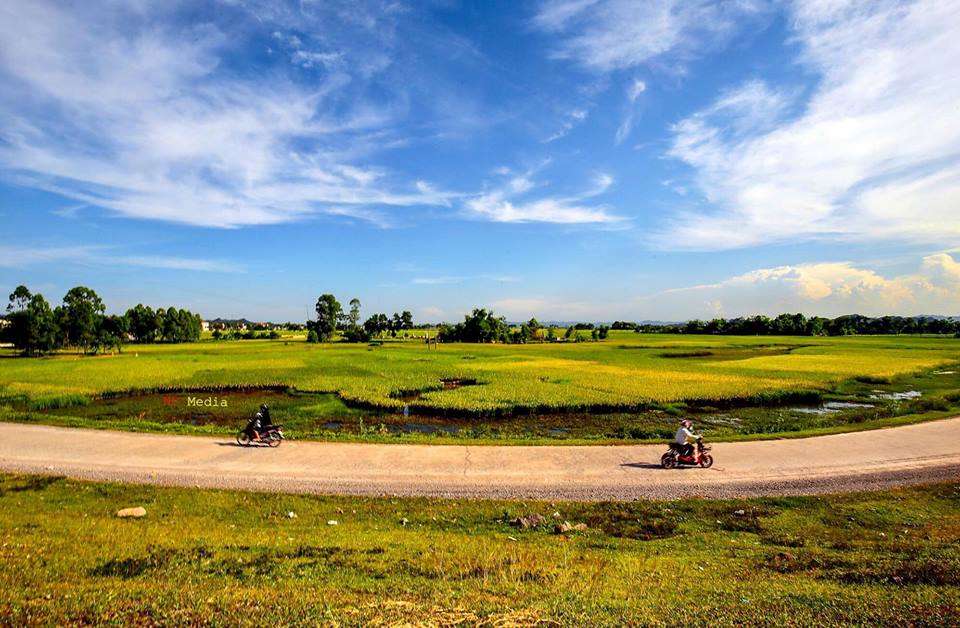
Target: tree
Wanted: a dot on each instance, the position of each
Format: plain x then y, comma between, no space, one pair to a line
33,326
406,320
112,332
82,310
376,324
145,325
329,311
353,318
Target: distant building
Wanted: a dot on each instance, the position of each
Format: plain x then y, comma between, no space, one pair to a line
205,325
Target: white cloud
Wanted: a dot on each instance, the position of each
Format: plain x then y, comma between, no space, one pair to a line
572,119
634,90
501,204
431,312
436,281
118,107
828,288
607,35
872,154
25,256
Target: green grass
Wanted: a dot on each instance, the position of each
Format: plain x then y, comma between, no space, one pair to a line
630,387
890,558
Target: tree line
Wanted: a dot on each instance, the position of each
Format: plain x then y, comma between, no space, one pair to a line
332,318
80,321
481,325
801,325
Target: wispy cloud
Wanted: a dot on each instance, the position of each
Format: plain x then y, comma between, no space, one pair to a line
872,154
571,120
27,256
436,281
608,35
511,203
121,107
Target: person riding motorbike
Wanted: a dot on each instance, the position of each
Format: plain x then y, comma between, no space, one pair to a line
261,422
685,438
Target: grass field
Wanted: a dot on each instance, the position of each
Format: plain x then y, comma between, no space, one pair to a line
627,387
889,558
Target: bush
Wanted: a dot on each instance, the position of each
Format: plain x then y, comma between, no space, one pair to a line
312,336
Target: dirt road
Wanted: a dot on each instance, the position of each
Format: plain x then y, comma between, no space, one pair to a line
844,462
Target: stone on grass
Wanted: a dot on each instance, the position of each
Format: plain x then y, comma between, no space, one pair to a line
135,513
530,521
566,527
333,522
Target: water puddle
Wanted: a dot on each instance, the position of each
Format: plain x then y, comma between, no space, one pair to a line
831,407
896,396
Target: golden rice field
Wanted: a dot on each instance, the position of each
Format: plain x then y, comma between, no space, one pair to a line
626,370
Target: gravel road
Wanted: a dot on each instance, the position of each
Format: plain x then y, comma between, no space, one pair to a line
870,460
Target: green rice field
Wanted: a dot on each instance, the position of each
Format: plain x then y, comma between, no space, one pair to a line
630,386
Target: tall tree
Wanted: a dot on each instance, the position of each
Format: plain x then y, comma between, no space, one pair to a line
329,312
82,310
33,326
353,318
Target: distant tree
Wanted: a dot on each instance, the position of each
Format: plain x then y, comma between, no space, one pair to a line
353,318
82,310
32,325
145,325
481,325
406,320
376,325
602,332
112,333
329,313
312,336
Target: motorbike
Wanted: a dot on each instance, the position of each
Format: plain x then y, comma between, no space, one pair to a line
271,435
674,458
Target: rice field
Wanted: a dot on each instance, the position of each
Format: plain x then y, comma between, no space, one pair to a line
626,371
630,387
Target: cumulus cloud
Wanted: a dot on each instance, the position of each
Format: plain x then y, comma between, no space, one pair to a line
606,35
828,289
122,107
870,154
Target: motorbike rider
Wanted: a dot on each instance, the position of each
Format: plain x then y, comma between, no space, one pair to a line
685,438
260,422
265,421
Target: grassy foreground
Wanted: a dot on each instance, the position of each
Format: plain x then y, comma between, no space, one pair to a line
199,556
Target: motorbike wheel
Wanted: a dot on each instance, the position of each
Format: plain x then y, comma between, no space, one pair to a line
243,439
706,461
274,440
668,460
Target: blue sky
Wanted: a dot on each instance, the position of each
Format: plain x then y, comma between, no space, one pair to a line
569,159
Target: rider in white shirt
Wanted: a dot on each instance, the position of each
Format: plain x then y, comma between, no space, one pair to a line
685,437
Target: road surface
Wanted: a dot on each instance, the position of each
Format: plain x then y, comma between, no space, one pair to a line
875,459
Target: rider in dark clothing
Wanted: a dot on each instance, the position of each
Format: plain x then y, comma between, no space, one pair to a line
260,422
265,420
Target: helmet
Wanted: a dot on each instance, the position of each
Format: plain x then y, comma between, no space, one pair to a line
686,422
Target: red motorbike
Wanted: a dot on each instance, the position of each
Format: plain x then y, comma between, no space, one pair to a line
675,457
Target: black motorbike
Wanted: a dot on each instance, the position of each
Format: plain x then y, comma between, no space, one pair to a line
269,435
